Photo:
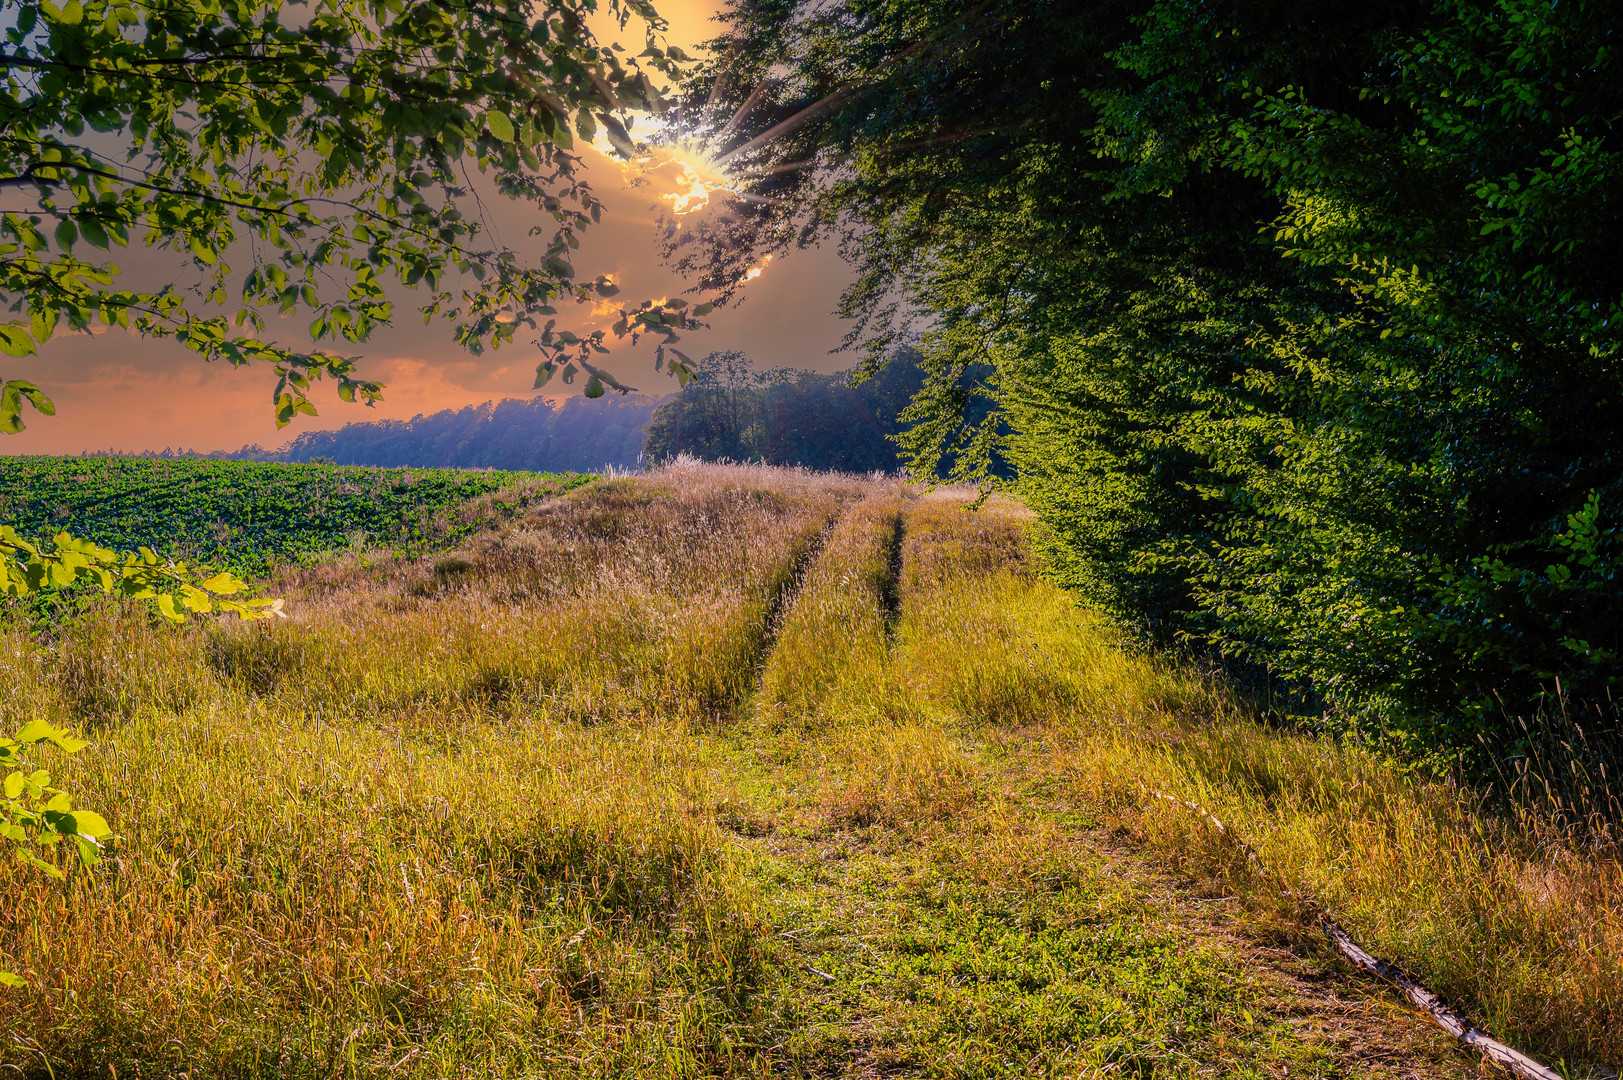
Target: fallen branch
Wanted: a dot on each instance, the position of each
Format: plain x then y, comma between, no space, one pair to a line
1450,1021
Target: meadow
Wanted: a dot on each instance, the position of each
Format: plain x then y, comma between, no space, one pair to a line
734,771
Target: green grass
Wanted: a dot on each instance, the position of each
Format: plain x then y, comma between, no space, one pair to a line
251,516
729,772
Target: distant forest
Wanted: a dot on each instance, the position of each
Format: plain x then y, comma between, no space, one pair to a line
733,411
575,435
730,411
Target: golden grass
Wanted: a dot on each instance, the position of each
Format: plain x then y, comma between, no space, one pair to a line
829,656
1527,935
459,816
446,820
1519,928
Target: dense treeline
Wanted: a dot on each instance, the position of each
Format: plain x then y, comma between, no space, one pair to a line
731,411
1300,321
537,435
734,412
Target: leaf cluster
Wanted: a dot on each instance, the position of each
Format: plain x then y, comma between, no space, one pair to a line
334,149
174,588
35,815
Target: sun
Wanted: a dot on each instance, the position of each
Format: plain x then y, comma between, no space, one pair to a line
700,178
683,171
687,178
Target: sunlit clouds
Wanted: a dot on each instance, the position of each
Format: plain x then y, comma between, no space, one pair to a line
755,271
114,390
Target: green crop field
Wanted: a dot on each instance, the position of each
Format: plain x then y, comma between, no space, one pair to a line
252,516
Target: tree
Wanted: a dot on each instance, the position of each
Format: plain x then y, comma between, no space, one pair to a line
1299,322
333,154
304,166
731,411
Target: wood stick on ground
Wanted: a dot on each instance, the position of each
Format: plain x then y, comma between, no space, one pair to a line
1495,1051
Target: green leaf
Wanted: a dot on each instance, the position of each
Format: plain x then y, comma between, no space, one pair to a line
39,864
499,125
15,340
37,730
42,323
166,608
223,583
89,850
11,979
93,232
619,138
92,824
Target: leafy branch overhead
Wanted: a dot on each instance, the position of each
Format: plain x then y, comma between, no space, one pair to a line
300,165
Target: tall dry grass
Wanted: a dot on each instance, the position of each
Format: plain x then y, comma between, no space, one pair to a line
1501,912
1520,928
457,816
859,664
447,820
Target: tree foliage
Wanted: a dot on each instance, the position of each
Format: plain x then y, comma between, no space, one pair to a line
572,435
296,161
1299,322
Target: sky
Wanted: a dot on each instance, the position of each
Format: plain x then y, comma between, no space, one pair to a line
116,391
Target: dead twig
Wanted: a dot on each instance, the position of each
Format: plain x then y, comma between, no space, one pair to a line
1461,1028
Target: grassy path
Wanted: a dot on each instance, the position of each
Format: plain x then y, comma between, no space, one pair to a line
941,909
1014,937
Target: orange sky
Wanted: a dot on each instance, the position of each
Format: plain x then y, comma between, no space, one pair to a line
114,391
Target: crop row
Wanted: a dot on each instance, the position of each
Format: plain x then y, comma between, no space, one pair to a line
249,516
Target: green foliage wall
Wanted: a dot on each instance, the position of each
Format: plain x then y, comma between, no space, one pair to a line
1299,322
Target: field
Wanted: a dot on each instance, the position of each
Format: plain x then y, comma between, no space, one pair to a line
738,772
247,515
